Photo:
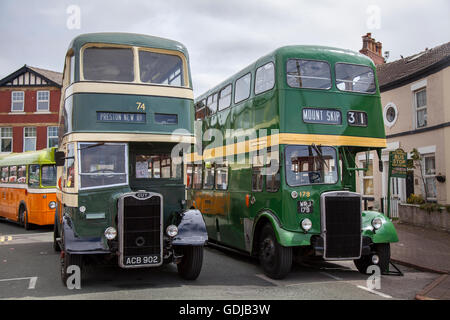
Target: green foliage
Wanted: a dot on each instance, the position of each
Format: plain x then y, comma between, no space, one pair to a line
431,206
415,199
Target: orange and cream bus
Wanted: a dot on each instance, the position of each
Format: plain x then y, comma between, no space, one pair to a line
28,187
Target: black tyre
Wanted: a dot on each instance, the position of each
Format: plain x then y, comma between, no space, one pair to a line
68,260
191,264
275,259
383,250
23,218
56,246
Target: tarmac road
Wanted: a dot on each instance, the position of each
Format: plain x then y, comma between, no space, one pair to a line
29,269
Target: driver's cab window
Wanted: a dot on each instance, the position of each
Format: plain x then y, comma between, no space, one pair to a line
33,175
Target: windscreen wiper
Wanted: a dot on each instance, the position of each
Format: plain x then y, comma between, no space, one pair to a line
319,153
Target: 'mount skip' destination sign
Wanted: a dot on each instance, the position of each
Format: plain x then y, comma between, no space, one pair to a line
324,116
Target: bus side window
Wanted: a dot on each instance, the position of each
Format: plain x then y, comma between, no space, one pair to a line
222,176
257,179
33,175
189,176
272,179
197,177
13,174
22,174
69,167
208,183
5,174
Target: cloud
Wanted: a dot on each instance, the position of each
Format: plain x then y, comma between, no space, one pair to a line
222,36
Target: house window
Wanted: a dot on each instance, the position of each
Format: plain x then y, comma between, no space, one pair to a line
52,137
17,101
367,179
29,140
429,175
420,98
6,139
43,100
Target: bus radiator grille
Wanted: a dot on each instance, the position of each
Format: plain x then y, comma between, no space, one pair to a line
343,227
142,226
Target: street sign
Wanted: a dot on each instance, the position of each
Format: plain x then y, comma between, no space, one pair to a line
397,163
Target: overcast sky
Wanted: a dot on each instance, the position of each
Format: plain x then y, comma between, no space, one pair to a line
222,36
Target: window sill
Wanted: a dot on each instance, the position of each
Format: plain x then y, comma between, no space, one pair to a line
17,112
42,112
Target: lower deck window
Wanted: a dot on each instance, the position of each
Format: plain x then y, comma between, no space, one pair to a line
157,166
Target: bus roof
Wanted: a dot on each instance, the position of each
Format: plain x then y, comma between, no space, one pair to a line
45,156
330,54
131,39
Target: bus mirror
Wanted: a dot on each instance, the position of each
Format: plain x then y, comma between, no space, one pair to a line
59,158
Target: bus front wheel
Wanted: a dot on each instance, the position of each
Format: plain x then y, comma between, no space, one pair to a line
191,264
383,251
275,259
69,260
23,218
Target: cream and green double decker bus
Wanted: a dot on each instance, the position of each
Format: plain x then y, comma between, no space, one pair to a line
127,104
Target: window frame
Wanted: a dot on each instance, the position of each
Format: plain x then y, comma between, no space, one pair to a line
431,176
249,88
421,108
256,78
4,138
38,100
80,173
309,88
22,101
218,167
32,137
364,177
220,98
53,137
351,91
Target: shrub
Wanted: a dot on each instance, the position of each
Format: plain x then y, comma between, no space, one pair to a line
431,206
415,199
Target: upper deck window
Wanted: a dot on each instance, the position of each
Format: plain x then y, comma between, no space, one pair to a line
242,88
265,78
225,98
308,74
159,68
108,64
306,165
355,78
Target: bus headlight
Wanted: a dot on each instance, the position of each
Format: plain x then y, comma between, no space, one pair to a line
110,233
52,204
377,223
172,231
306,224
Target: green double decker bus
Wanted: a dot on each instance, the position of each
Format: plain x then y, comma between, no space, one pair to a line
127,104
275,173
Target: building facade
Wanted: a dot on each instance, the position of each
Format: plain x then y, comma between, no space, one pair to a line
415,95
29,108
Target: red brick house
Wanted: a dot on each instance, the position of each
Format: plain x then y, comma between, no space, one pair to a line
29,107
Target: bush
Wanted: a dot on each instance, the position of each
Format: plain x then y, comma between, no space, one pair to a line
431,206
415,199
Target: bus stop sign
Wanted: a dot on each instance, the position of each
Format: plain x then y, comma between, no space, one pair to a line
397,163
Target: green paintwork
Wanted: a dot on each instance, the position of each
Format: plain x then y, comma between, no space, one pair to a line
86,106
45,156
385,234
225,212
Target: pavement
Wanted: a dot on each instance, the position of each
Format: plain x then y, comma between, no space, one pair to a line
426,250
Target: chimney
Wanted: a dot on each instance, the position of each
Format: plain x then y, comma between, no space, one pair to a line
372,49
